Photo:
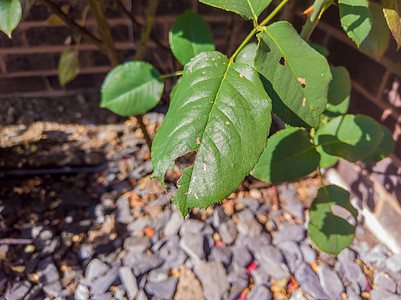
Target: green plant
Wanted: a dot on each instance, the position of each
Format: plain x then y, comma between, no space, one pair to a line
221,107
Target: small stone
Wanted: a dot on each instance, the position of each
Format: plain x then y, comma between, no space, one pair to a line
234,295
260,276
384,281
193,245
398,289
377,294
86,251
249,227
228,232
241,256
289,232
47,271
53,289
215,287
146,264
81,292
18,290
393,263
292,254
137,243
95,269
219,217
173,255
123,212
129,281
295,208
308,253
238,279
192,226
136,227
157,275
259,292
119,293
246,215
102,283
271,260
141,296
252,204
102,296
352,293
297,295
174,224
346,256
256,194
254,244
221,254
188,286
309,282
331,283
163,289
33,293
354,273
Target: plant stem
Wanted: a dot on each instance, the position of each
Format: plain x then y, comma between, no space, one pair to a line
80,30
314,18
104,30
258,28
178,73
145,132
147,29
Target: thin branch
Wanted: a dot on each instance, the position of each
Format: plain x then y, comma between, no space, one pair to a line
312,21
146,135
75,26
146,31
104,30
15,241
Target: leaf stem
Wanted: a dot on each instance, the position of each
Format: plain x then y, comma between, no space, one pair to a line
258,28
314,18
178,73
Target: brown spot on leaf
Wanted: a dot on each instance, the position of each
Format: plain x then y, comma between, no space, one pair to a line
241,75
303,102
282,61
215,64
261,68
203,73
198,141
213,59
196,196
302,81
228,123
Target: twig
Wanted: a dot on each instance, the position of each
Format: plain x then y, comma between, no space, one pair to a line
276,201
75,26
312,21
15,241
104,30
147,29
146,135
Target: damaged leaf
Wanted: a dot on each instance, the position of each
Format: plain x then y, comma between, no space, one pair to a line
392,12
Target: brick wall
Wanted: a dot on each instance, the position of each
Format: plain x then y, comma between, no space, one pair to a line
28,62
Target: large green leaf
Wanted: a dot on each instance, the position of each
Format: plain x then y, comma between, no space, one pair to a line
326,160
356,19
378,38
69,66
340,87
248,9
10,15
352,137
392,12
331,233
220,110
189,36
296,77
289,155
132,89
247,54
385,148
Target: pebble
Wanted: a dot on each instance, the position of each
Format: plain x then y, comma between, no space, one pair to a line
146,264
174,256
219,217
158,274
221,254
271,260
193,245
295,208
254,244
292,254
174,224
259,292
138,226
297,295
102,296
241,256
137,243
103,282
393,263
53,289
123,212
215,287
384,281
95,269
141,296
47,271
129,281
309,282
228,232
238,279
308,253
18,290
377,294
252,204
81,292
289,232
162,289
260,277
249,227
188,286
331,283
246,215
192,226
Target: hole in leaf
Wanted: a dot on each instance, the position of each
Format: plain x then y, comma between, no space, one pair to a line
282,61
186,160
343,213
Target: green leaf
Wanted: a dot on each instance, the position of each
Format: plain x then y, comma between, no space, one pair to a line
333,111
352,137
247,54
392,12
189,36
385,148
296,77
319,48
340,87
289,155
69,66
326,160
132,89
356,19
378,38
10,15
331,233
248,9
220,110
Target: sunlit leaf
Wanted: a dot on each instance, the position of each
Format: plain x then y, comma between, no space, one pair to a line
247,54
392,12
385,148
